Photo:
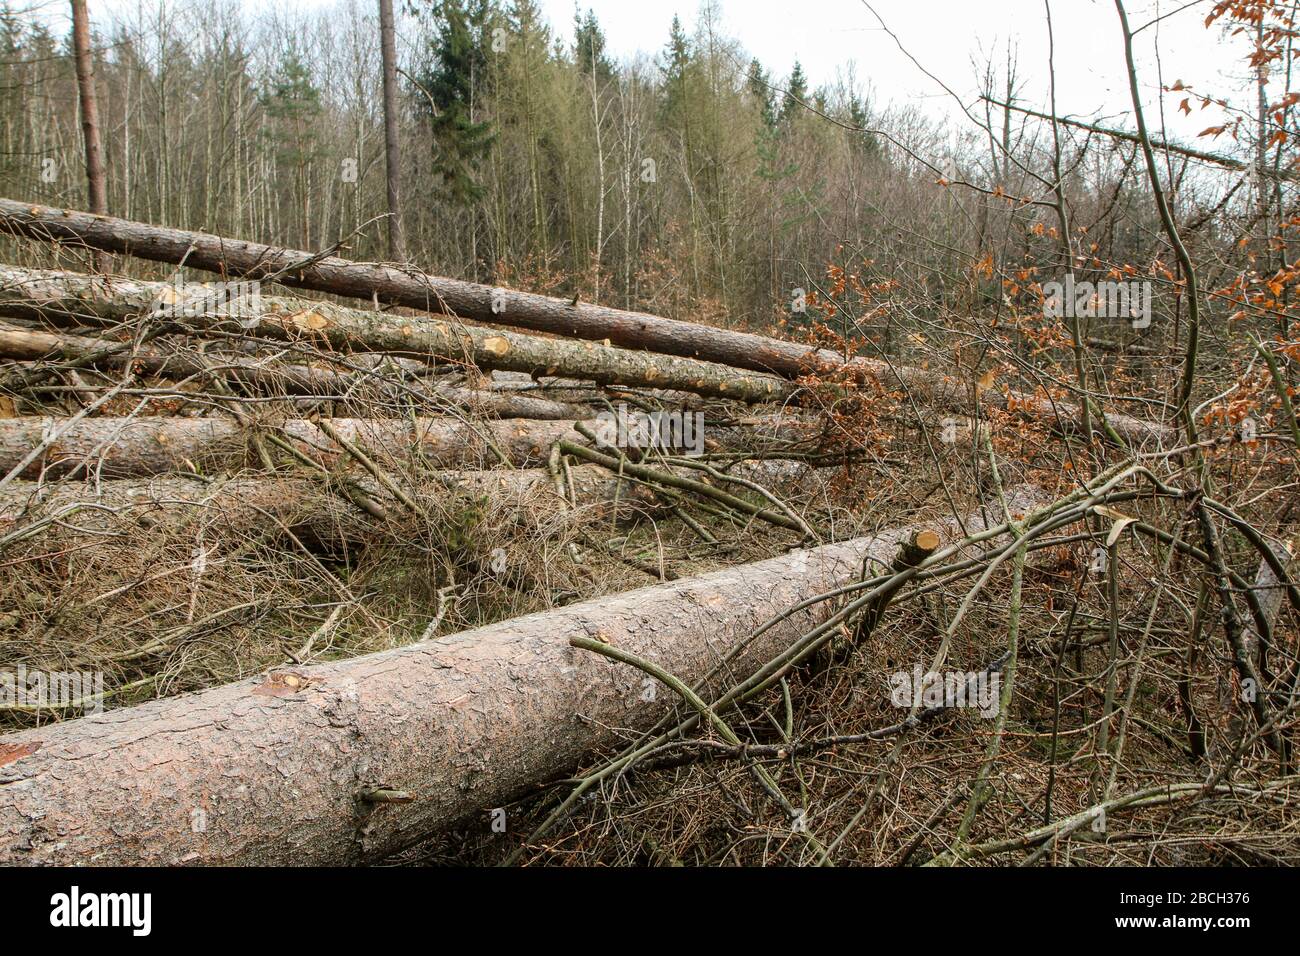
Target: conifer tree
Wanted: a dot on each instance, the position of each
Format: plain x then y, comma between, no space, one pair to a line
456,68
589,46
796,95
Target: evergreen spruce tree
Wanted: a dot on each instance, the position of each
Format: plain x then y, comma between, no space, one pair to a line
674,66
456,68
796,95
760,88
589,46
293,104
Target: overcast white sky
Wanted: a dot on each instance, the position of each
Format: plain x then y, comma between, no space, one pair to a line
946,36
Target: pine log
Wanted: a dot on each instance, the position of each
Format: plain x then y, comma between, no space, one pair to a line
55,295
287,378
404,287
491,402
154,445
141,446
304,504
275,378
277,766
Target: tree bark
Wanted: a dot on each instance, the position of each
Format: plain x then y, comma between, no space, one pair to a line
70,295
1270,591
96,193
31,345
276,766
154,445
280,378
388,53
467,300
141,446
241,504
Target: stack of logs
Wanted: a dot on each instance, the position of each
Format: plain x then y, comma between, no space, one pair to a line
279,764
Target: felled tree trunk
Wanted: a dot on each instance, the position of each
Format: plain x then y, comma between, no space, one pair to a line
135,447
490,402
276,767
155,445
26,293
277,378
286,378
416,290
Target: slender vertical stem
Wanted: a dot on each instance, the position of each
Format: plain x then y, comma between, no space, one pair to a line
388,52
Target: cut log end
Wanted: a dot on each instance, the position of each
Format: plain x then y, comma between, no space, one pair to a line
916,549
926,541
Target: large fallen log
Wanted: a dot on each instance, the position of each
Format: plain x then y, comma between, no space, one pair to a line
486,401
304,505
155,445
277,767
286,378
140,446
633,330
404,287
71,295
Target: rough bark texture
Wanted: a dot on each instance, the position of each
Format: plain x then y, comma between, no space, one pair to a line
1269,591
95,191
136,447
465,723
505,307
393,162
55,295
274,378
305,505
236,506
281,378
116,447
468,300
505,405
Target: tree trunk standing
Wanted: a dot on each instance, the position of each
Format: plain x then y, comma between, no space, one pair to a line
596,118
388,51
95,191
